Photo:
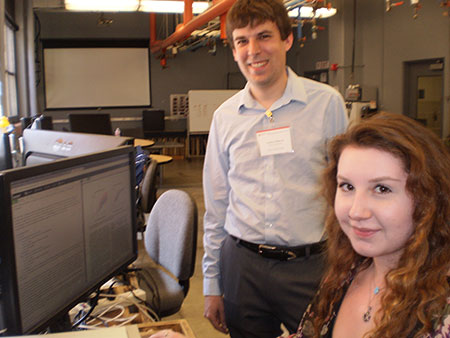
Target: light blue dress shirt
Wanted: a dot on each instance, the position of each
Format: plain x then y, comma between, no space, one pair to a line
267,199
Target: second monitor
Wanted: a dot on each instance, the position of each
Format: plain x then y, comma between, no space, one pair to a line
91,123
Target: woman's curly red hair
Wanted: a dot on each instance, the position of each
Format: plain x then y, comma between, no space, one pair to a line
417,289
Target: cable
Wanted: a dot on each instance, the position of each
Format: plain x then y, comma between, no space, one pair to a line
142,308
92,302
147,304
354,41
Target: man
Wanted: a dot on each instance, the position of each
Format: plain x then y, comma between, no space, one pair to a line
266,149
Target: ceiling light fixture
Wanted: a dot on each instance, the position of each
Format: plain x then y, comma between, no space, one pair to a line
160,6
102,5
154,6
307,12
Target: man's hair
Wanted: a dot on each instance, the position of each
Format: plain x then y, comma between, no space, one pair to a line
416,289
255,12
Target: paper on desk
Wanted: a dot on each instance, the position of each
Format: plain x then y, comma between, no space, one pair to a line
129,331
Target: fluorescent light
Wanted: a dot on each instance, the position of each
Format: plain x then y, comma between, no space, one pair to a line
154,6
307,12
170,6
325,12
102,5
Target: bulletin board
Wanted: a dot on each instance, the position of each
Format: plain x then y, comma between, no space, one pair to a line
202,105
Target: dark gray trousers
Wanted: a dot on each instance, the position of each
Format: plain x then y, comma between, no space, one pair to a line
261,293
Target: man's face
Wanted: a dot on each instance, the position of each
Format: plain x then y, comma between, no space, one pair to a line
261,54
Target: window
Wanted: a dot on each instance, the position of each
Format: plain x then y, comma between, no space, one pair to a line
10,91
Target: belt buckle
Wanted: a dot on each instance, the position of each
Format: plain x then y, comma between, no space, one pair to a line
274,252
291,254
262,248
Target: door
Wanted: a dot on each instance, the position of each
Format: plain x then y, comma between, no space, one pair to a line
423,100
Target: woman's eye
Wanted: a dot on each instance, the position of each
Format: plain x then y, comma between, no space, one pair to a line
345,186
382,189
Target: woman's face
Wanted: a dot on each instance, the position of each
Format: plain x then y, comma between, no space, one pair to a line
372,205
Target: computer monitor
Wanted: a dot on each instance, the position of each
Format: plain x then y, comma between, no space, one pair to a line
41,146
67,227
153,120
91,123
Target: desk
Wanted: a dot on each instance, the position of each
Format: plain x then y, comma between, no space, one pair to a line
161,159
179,325
143,142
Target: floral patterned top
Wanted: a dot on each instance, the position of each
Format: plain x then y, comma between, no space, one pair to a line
441,328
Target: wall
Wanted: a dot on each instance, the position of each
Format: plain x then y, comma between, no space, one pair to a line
384,41
187,70
424,38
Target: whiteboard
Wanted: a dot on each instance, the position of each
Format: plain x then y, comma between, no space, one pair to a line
96,77
202,105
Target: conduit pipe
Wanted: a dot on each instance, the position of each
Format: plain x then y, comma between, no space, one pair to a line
152,28
187,28
187,15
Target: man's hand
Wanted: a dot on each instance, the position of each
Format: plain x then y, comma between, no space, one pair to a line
215,312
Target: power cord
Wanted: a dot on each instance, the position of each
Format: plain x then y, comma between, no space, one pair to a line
93,303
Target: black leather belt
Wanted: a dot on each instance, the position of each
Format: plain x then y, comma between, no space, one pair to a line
282,253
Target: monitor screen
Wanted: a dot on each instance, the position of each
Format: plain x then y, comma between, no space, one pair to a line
67,227
91,123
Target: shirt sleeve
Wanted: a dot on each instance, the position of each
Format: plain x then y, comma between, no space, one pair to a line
215,191
336,117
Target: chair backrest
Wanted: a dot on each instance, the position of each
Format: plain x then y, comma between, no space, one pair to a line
148,187
171,233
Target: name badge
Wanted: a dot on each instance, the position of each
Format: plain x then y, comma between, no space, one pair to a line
274,141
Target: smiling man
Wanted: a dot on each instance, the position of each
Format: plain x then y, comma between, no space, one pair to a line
266,150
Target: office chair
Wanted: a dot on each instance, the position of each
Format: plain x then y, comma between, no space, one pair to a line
171,241
147,194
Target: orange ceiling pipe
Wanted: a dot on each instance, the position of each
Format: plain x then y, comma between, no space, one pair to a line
152,29
187,15
223,32
188,27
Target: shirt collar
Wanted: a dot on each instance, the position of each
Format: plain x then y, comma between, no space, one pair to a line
295,91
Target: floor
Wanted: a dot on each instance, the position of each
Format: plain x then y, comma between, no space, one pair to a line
187,175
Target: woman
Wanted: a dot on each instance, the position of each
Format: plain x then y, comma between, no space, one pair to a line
388,248
388,235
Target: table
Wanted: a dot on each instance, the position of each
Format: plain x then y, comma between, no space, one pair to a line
161,160
143,142
178,325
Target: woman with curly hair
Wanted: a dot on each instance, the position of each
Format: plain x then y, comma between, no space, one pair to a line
388,226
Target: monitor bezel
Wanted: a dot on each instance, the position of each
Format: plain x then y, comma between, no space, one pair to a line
9,298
